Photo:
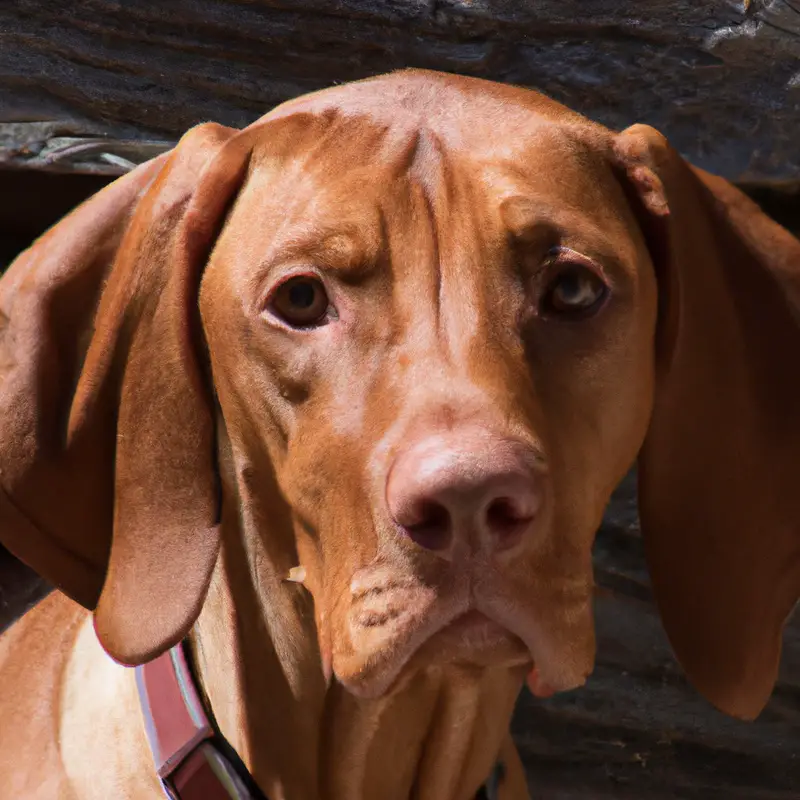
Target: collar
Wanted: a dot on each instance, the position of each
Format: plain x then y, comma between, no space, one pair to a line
189,755
192,759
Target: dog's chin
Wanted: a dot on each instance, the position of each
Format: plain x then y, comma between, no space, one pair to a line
473,639
385,656
394,627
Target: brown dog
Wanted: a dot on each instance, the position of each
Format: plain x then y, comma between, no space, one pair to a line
407,333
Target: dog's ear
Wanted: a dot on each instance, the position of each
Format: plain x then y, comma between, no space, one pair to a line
107,463
719,498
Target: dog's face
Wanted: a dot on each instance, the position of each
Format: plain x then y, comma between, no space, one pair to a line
429,308
436,329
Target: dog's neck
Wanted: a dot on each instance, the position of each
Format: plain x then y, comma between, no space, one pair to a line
437,737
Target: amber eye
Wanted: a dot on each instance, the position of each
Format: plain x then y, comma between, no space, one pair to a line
300,302
576,290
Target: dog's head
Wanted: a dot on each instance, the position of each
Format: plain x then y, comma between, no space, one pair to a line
436,319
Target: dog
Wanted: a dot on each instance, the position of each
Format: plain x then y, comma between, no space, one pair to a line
335,404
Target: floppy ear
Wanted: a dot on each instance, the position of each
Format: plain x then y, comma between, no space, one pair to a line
719,498
107,464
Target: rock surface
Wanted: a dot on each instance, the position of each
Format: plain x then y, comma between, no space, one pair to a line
720,77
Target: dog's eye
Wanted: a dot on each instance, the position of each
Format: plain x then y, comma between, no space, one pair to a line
576,290
300,302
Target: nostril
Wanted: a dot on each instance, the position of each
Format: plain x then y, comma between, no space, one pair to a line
464,492
506,521
429,525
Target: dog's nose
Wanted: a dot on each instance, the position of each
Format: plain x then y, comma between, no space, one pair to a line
465,487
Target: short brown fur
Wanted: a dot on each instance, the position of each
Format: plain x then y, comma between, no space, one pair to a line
169,450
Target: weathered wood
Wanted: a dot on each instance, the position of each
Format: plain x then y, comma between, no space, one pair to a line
54,147
721,81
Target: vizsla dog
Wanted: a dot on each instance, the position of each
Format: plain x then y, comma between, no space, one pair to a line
397,341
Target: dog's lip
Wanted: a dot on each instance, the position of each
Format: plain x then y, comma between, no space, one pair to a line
470,616
473,622
475,625
477,638
393,624
382,650
559,665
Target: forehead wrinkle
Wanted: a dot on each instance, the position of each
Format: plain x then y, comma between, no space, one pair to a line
445,193
345,178
444,201
402,150
469,263
405,258
563,183
426,159
350,248
310,217
428,175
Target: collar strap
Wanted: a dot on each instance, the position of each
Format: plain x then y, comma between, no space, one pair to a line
189,763
185,747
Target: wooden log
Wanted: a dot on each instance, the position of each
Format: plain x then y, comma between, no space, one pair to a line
721,79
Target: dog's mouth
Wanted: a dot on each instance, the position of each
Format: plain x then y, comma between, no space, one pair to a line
399,628
474,638
390,628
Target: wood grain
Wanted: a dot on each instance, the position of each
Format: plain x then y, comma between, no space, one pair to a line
722,84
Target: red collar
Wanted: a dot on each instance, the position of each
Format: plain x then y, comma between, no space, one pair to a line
185,747
188,753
